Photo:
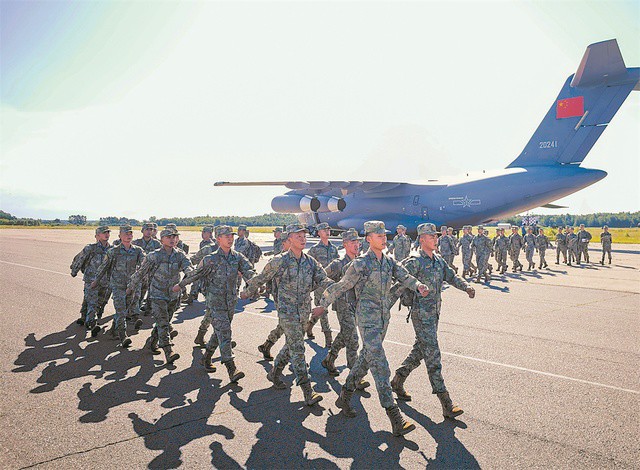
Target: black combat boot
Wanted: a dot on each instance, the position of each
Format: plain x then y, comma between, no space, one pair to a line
125,341
234,373
206,361
363,385
329,364
311,397
399,426
449,410
152,345
344,402
199,340
169,355
265,349
397,384
173,333
275,377
138,323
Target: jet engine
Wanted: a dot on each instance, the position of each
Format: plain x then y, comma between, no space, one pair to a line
294,204
331,204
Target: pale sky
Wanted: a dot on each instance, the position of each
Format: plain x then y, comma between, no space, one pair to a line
135,108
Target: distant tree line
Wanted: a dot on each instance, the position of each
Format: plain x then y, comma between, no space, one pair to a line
8,219
617,220
264,220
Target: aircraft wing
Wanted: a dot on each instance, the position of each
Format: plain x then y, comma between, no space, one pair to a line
319,187
554,206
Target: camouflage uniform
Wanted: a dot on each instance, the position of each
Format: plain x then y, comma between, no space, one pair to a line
529,241
89,260
345,309
364,246
572,246
400,247
446,247
425,313
277,249
275,334
467,251
371,280
561,246
482,246
147,246
605,241
515,245
501,248
163,269
197,286
295,278
542,243
119,265
220,271
584,238
323,254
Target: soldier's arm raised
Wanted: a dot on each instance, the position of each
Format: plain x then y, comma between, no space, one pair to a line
105,266
246,268
348,281
141,273
79,259
454,280
202,270
268,272
401,275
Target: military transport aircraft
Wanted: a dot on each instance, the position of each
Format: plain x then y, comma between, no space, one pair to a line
547,169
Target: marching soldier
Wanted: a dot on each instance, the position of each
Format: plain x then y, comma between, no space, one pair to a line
207,240
482,246
162,267
277,332
324,252
148,243
344,306
530,247
561,246
572,246
371,275
455,245
515,246
605,240
468,268
296,274
88,261
430,269
542,243
118,266
220,269
501,248
400,247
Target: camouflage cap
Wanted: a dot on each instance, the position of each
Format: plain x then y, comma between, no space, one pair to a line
322,226
277,229
480,227
401,227
147,226
154,225
294,228
207,228
167,232
374,226
427,229
514,226
350,235
606,226
468,227
224,230
173,226
126,228
103,229
242,227
444,227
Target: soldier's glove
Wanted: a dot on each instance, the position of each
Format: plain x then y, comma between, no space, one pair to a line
73,274
471,292
317,312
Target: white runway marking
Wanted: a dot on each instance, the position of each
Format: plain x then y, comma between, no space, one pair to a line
461,356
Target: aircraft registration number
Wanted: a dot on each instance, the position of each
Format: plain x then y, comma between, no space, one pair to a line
549,144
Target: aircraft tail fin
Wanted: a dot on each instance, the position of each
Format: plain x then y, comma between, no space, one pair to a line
584,107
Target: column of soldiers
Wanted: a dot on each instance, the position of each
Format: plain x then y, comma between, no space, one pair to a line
361,288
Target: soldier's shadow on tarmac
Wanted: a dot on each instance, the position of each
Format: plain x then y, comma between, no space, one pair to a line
450,452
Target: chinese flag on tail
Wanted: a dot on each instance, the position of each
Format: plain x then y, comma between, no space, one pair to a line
570,107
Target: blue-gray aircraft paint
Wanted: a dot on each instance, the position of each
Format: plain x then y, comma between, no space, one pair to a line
547,169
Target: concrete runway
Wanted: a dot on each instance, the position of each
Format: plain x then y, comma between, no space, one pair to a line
545,365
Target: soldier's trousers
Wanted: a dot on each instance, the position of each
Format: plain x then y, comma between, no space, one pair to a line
573,254
529,253
205,323
275,334
221,337
448,257
583,251
372,356
324,318
96,300
503,257
347,337
425,349
293,350
467,261
126,306
483,262
541,252
563,250
162,311
608,252
514,255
